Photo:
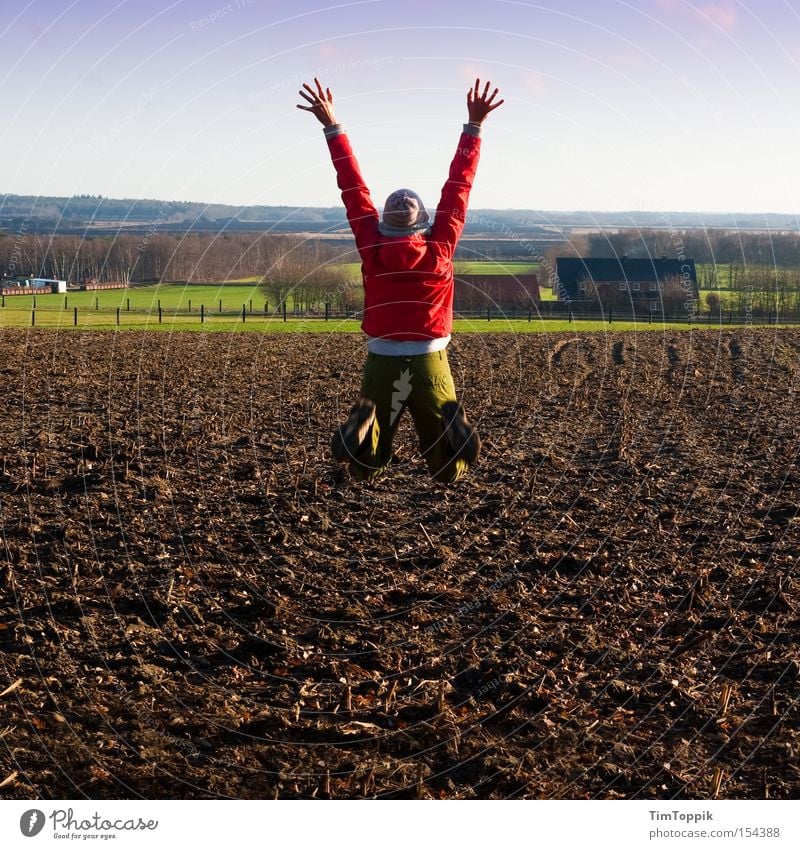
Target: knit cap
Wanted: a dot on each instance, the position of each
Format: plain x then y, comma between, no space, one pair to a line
404,213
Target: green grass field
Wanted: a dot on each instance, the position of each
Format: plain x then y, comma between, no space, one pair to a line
724,273
483,267
97,310
172,297
105,320
139,304
496,267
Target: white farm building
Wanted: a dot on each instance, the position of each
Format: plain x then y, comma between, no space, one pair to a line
44,283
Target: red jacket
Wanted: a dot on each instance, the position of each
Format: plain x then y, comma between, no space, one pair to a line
408,280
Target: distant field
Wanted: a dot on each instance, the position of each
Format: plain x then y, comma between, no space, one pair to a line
499,267
172,297
486,267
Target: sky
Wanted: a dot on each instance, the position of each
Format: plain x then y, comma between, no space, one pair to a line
609,105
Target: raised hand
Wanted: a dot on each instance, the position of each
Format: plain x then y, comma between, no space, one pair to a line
321,103
479,105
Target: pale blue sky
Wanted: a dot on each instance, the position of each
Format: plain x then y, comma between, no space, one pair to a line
643,104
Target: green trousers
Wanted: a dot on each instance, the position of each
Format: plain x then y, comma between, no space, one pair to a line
422,383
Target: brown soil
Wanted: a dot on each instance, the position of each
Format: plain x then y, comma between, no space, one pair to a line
198,604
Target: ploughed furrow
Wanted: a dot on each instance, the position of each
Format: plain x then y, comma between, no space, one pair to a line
683,364
581,379
737,361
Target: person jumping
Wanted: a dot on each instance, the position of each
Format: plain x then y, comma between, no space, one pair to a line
407,270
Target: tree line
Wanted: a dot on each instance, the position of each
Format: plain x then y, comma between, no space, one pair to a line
304,273
760,269
709,247
283,263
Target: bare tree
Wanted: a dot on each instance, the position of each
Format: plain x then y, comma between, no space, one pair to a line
677,296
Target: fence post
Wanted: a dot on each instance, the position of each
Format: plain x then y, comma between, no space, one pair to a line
651,317
220,305
251,306
75,316
4,300
65,301
530,314
117,316
97,302
190,304
202,313
34,301
159,312
611,314
284,310
730,317
488,313
244,313
570,315
33,318
129,304
266,308
327,308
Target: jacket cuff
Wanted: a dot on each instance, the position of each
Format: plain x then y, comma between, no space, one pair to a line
472,129
333,130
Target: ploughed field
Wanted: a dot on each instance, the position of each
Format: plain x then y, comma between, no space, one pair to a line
194,602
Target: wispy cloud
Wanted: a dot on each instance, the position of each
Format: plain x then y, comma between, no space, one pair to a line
722,14
625,59
469,73
330,50
535,83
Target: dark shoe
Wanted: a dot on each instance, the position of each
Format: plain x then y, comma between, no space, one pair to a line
461,435
350,436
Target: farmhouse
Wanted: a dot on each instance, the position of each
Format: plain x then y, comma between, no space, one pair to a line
640,283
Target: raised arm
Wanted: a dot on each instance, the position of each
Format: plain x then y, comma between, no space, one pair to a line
452,209
361,212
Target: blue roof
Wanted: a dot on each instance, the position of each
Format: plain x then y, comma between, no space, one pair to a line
617,269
